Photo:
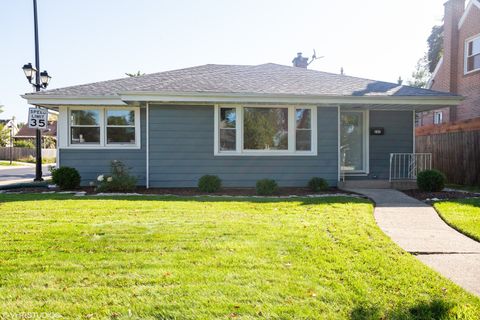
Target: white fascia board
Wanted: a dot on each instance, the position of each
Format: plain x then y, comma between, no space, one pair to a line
196,97
434,74
467,11
52,100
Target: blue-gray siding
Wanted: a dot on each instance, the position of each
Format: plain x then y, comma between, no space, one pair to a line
92,162
398,137
182,143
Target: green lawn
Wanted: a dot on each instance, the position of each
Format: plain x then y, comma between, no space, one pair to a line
463,215
212,258
7,163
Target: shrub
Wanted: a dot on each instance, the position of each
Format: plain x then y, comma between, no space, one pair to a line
209,183
318,184
23,144
266,187
66,178
431,181
32,159
119,181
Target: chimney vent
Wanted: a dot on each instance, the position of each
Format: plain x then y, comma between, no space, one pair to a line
299,61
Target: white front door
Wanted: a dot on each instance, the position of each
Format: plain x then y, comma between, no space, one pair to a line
354,141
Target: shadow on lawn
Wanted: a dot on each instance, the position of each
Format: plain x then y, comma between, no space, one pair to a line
4,198
436,309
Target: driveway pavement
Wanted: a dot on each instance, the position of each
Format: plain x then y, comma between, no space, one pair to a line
417,228
18,174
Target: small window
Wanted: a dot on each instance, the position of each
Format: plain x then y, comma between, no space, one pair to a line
85,127
228,129
120,126
438,117
472,55
265,128
303,134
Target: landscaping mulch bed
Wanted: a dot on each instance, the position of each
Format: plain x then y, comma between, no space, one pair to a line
190,191
442,195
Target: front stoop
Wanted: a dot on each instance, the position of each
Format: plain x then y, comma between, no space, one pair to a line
378,184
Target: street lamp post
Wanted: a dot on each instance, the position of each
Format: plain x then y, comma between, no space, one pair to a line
41,81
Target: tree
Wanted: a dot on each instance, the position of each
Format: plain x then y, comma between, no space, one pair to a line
435,47
421,74
137,74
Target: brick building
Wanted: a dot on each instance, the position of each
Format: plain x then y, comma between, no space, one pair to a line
459,69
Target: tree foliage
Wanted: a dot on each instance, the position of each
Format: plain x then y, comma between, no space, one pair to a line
136,74
435,47
421,74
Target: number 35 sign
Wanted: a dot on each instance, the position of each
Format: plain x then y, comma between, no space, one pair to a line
37,118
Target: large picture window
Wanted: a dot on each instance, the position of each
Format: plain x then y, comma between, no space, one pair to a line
265,130
472,54
103,127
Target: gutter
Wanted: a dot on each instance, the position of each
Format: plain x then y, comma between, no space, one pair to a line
124,98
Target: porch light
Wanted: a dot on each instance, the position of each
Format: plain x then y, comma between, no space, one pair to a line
29,71
44,78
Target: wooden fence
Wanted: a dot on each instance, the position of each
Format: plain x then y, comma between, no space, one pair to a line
455,149
22,153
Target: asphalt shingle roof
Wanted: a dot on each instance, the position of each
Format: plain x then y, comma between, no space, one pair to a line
260,79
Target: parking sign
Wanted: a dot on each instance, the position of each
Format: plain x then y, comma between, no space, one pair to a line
37,118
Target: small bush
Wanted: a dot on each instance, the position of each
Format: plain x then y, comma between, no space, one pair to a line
209,183
431,181
119,181
32,159
66,178
266,187
23,144
318,184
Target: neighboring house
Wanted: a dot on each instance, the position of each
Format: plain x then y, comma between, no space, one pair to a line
28,134
240,122
458,71
9,129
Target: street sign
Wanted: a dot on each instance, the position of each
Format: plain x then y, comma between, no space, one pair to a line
37,118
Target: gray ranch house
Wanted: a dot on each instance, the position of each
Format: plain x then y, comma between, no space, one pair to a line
242,123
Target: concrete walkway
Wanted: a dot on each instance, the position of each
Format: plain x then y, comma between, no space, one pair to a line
417,228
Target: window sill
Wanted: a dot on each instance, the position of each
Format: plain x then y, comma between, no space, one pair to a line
94,147
265,154
469,73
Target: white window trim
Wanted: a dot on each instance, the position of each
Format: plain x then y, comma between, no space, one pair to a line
466,56
291,132
366,144
440,115
65,129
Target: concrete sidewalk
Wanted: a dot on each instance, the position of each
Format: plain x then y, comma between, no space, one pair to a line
417,228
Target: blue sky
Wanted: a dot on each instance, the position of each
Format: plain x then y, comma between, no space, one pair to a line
94,40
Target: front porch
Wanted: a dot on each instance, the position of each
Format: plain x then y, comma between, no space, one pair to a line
403,171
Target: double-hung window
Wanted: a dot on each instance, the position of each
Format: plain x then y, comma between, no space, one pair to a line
265,130
85,127
102,127
472,54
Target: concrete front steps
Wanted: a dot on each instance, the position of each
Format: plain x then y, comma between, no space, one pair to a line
378,184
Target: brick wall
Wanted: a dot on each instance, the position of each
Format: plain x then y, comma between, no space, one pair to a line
450,76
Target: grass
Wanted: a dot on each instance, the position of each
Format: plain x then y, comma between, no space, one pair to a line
212,258
463,215
463,187
32,159
7,163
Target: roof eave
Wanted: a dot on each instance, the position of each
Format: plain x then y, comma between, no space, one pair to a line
125,98
286,98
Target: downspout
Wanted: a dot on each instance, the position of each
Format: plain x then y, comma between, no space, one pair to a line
147,147
339,167
414,122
